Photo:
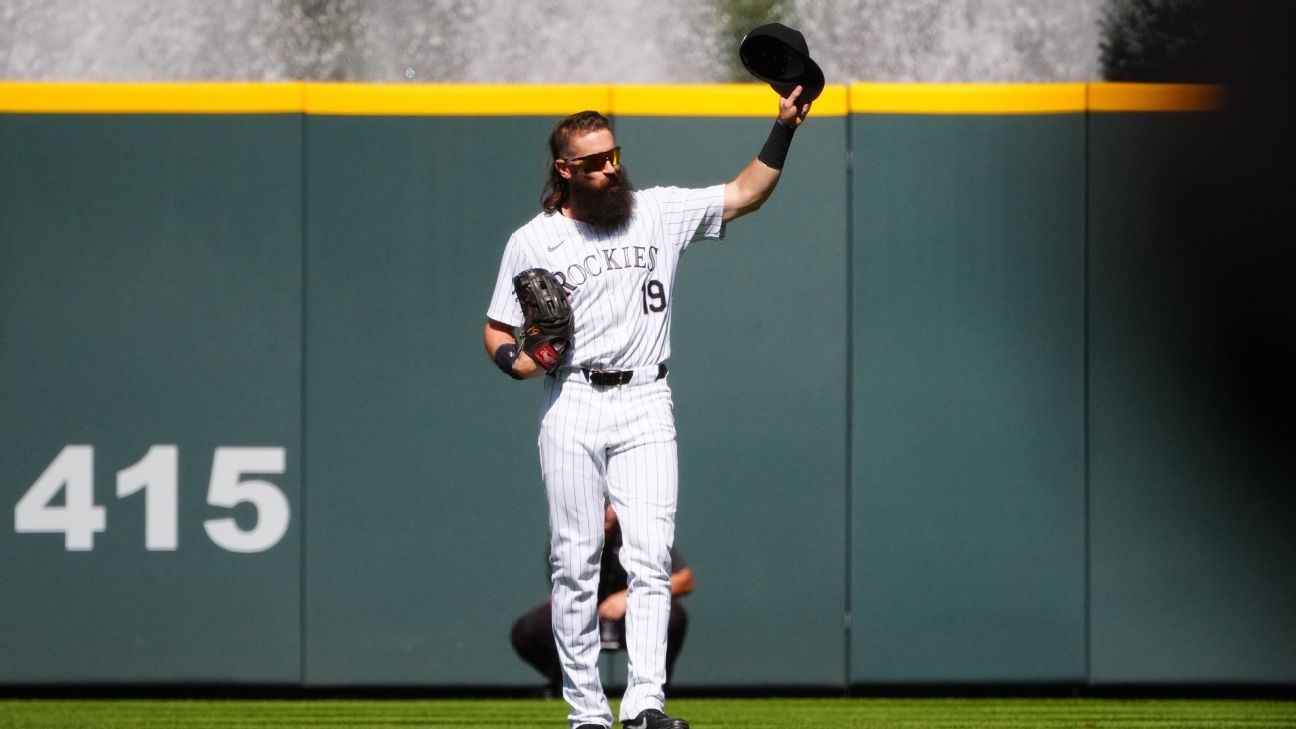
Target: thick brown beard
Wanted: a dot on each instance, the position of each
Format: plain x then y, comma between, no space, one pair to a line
609,207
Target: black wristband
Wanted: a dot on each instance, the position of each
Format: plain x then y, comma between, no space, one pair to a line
505,356
776,147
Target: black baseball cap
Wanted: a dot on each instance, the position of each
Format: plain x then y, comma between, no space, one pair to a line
779,56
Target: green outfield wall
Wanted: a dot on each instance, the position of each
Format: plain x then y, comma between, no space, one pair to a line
967,508
935,420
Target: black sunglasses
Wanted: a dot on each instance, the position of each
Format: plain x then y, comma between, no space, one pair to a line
596,161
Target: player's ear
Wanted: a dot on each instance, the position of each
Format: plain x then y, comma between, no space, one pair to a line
563,168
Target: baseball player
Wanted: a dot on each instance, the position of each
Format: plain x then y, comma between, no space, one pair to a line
584,298
532,634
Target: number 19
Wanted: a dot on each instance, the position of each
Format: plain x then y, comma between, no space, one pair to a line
654,296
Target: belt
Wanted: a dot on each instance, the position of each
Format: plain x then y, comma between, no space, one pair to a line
614,378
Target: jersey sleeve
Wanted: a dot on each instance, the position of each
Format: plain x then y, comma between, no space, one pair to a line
504,307
692,214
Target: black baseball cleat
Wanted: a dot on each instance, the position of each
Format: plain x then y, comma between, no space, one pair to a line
591,726
654,719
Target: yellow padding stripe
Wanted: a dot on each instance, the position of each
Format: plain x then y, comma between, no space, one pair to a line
715,100
150,98
874,98
1154,97
712,100
454,99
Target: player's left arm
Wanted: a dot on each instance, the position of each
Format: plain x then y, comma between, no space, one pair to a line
613,606
682,582
753,186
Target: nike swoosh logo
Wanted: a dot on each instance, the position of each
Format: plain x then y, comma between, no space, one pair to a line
641,725
553,248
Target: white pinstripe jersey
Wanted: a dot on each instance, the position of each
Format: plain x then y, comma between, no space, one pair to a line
620,281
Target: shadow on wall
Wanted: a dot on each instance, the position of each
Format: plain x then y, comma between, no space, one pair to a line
1237,267
1250,172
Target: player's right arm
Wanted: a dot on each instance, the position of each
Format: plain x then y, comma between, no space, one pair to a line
498,334
503,307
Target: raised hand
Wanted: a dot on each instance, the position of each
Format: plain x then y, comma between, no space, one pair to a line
791,114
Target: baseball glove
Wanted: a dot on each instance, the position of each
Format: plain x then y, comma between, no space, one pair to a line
547,327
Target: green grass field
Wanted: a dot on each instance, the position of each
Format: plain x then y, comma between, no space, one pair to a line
701,713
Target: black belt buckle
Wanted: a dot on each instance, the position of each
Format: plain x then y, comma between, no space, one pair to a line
614,378
607,378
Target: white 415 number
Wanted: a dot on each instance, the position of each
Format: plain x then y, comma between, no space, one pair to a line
157,475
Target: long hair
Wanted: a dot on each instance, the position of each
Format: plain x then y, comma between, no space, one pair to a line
556,191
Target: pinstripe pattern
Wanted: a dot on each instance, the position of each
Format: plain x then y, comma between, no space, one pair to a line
614,443
605,272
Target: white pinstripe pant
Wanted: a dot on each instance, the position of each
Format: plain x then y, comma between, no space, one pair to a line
619,443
